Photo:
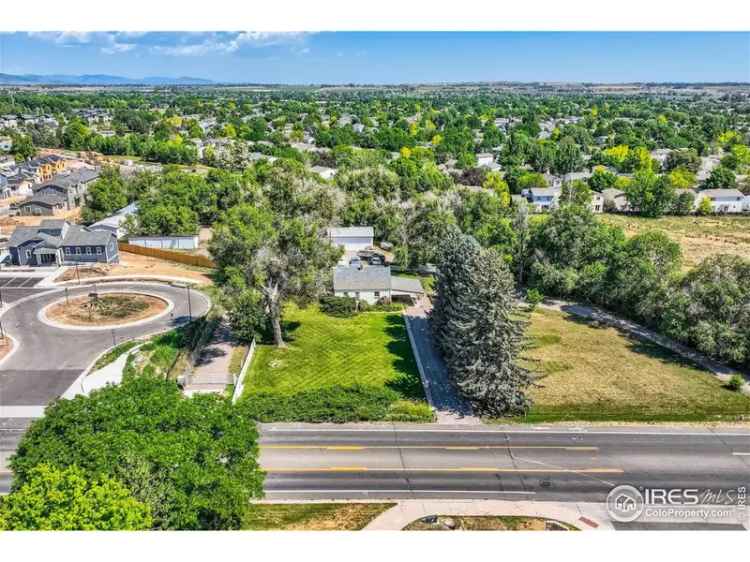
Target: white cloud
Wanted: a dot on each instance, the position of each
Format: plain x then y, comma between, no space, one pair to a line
108,42
118,48
175,43
231,43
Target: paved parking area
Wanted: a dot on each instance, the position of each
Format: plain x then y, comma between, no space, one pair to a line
19,282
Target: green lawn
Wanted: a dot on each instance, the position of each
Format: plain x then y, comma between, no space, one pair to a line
312,516
591,372
369,352
371,348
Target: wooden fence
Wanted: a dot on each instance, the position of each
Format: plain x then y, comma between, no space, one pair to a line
198,261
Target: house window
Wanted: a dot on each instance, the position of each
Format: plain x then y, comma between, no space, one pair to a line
28,254
377,294
88,250
99,250
78,250
68,251
356,295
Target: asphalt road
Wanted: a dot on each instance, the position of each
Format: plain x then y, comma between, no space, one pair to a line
49,359
484,463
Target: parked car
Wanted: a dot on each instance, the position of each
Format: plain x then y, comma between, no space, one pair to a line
376,260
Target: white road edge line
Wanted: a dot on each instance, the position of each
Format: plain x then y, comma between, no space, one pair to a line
739,454
318,491
497,432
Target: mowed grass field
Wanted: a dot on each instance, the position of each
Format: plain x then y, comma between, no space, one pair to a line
595,373
371,349
699,237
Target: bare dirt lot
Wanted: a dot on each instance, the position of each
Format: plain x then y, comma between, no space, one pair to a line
109,308
135,264
7,224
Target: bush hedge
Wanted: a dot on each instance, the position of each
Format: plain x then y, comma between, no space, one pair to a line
343,307
337,404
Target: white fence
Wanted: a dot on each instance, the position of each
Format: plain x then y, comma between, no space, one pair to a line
239,384
165,242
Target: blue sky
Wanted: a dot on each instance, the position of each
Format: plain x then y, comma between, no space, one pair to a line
385,57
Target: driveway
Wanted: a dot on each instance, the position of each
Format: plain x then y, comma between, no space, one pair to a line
49,359
449,406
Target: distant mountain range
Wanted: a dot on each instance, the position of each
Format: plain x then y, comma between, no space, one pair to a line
98,80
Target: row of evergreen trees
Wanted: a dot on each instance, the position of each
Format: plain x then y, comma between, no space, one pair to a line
478,328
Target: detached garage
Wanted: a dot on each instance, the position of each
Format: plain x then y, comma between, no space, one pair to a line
352,238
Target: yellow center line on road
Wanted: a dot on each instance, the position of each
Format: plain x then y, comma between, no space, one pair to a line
443,447
455,469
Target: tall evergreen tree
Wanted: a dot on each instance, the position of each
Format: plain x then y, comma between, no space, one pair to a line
477,329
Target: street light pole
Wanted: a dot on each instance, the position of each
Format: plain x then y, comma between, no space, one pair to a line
190,308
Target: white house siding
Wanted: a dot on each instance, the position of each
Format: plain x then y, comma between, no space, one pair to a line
370,297
730,204
352,243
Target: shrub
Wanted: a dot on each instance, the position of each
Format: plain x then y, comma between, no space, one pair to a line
534,297
409,411
387,307
337,404
343,307
735,383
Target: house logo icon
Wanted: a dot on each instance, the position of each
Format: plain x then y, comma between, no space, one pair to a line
625,504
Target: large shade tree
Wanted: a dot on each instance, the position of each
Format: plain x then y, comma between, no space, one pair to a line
193,461
275,249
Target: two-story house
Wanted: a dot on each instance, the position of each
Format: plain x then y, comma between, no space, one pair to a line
57,242
62,193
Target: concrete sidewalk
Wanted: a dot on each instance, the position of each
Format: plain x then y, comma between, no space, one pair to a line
211,371
584,516
449,406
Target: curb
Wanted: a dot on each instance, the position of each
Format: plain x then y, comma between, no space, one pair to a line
583,516
14,345
42,315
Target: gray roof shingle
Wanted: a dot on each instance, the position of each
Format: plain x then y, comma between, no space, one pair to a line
374,278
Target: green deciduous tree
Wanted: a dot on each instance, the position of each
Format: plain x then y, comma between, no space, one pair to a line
649,193
107,195
275,248
23,148
721,177
710,309
193,461
53,499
